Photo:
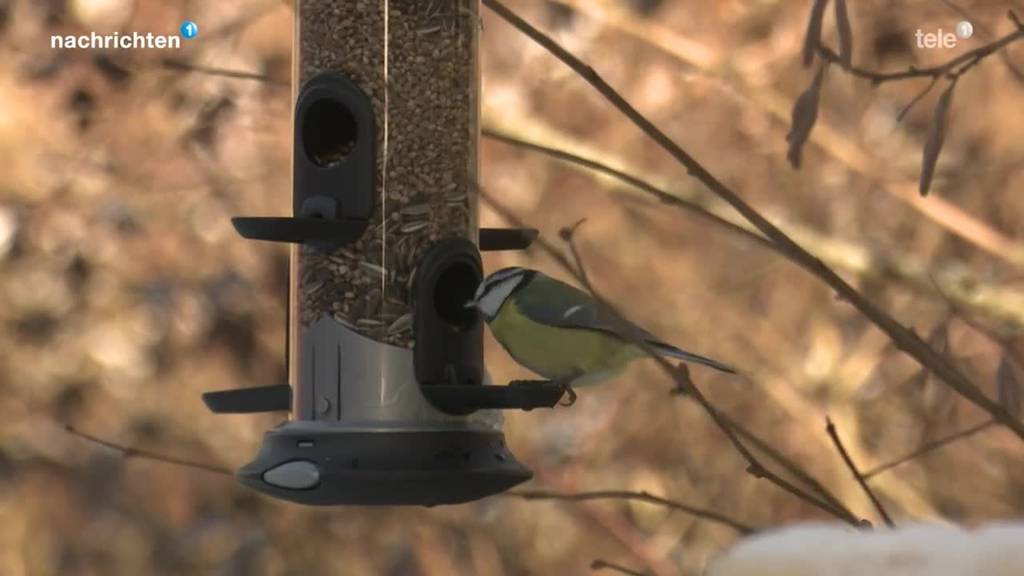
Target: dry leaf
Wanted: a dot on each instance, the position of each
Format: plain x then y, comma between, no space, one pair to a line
813,37
845,34
1009,387
805,113
936,136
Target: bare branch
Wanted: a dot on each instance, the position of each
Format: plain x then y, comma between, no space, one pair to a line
182,66
787,464
1015,19
631,180
132,452
834,435
929,447
1014,69
605,565
958,9
904,339
952,68
709,515
1008,385
906,109
754,466
967,292
567,234
716,67
681,375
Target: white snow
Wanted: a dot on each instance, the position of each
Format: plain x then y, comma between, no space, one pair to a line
912,550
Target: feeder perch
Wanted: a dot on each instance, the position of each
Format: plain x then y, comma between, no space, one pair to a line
389,399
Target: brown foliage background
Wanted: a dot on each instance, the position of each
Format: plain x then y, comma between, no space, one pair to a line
124,293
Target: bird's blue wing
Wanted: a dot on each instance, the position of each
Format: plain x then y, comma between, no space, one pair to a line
555,303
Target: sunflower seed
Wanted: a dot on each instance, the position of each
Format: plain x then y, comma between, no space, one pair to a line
416,210
412,227
375,269
403,323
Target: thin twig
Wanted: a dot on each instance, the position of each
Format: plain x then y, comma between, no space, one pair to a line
132,452
929,447
787,464
834,435
182,66
629,179
754,466
640,496
980,26
962,12
567,234
605,565
614,522
681,375
999,303
953,68
993,245
1015,19
905,339
916,99
712,63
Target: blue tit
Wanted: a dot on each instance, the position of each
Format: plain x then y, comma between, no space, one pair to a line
558,332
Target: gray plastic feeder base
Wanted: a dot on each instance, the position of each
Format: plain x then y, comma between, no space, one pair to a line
382,467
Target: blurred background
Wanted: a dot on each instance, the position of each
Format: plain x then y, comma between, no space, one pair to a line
124,292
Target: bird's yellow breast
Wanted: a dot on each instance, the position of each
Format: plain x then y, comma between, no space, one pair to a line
559,352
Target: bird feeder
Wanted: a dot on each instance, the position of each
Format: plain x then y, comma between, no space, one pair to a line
389,399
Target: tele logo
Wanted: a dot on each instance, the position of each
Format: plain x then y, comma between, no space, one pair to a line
943,39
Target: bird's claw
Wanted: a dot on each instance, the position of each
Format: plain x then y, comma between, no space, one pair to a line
567,389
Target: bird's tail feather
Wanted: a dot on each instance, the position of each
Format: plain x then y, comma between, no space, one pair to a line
673,352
